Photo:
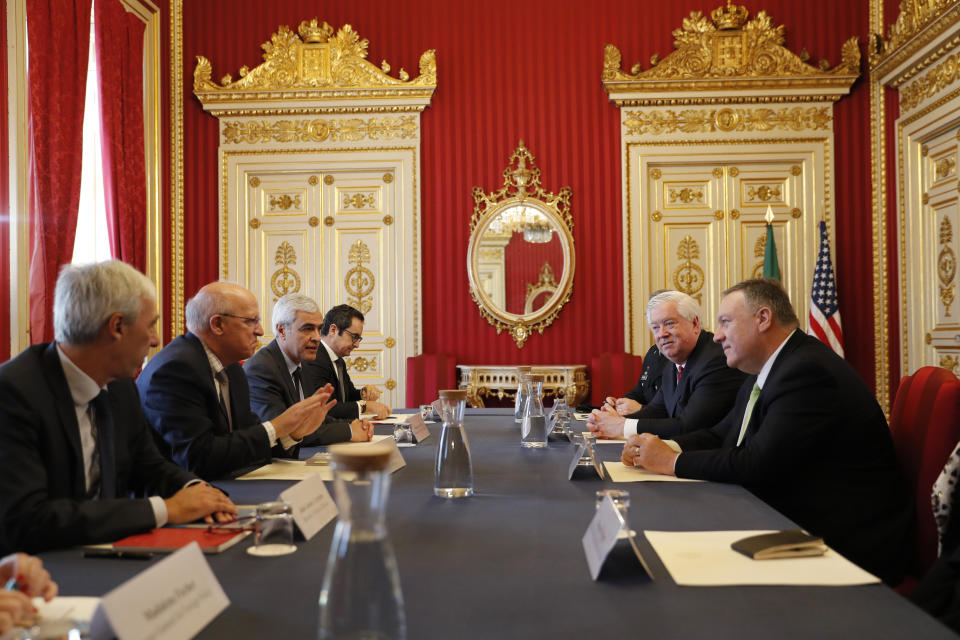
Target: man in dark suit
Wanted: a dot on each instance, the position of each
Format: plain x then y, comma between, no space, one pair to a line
196,397
806,435
275,371
696,388
647,385
342,332
74,443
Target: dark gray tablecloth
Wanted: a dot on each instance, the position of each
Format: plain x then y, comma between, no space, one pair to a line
508,563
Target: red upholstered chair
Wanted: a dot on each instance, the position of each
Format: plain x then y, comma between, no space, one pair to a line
613,374
925,423
427,374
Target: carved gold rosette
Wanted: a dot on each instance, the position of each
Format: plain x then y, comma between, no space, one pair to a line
359,281
314,64
726,49
688,277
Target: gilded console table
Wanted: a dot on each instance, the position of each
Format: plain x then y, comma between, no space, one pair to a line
500,381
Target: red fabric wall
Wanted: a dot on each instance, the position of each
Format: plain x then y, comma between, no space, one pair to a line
509,70
4,198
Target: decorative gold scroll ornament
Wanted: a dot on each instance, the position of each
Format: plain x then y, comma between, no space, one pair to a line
359,281
688,276
946,265
285,280
744,54
522,188
315,64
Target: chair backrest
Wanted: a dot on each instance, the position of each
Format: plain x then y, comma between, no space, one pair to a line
925,424
427,374
613,374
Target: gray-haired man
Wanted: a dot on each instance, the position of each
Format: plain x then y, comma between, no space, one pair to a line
74,443
274,372
697,387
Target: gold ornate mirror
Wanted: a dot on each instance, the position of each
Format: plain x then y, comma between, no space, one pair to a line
521,259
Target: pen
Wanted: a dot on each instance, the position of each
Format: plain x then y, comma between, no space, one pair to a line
118,553
612,406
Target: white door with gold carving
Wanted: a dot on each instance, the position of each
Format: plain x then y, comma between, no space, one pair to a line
698,225
938,309
332,226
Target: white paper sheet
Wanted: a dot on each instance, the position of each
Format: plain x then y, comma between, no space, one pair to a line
619,441
704,558
288,470
619,472
282,469
66,608
396,418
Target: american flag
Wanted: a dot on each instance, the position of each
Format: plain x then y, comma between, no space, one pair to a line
824,311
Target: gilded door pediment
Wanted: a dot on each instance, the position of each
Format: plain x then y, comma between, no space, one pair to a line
729,48
316,64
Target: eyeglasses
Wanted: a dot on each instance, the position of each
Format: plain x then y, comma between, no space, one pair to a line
357,339
250,322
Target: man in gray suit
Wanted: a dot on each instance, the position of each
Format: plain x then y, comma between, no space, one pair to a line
274,372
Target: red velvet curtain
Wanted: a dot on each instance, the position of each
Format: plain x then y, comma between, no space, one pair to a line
4,199
119,42
58,35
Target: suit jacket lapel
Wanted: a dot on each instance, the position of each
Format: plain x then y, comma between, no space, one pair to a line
203,364
57,383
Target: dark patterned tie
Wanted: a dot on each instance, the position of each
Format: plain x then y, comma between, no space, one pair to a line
342,369
222,392
103,418
297,385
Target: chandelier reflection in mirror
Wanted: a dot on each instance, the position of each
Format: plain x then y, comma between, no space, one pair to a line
521,237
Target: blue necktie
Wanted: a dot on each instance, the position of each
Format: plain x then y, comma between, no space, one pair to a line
105,445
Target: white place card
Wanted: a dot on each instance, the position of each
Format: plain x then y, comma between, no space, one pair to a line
601,535
420,429
313,506
173,599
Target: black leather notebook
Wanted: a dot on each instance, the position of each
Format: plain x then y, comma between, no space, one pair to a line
792,543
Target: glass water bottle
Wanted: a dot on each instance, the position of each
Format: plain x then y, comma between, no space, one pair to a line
453,471
361,597
520,398
533,430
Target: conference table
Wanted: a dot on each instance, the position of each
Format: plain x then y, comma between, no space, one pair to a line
509,563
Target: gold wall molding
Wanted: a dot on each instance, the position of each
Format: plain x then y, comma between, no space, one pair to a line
928,85
320,130
918,24
742,53
177,302
315,64
359,281
879,221
726,120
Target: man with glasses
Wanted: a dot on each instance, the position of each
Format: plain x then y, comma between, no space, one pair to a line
275,372
197,398
341,333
